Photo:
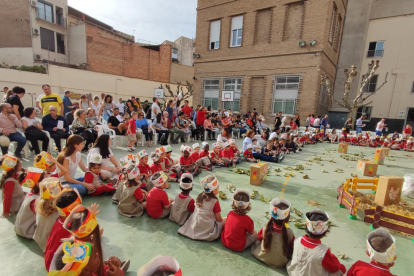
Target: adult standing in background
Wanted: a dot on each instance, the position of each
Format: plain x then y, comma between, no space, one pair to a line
129,108
308,122
38,103
105,107
187,109
147,110
359,124
122,106
317,122
50,99
96,105
201,116
136,102
9,123
7,93
50,123
348,125
312,120
278,120
170,110
380,127
16,103
297,120
155,109
34,130
84,103
176,108
324,124
67,103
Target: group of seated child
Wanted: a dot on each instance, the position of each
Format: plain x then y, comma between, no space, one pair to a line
65,230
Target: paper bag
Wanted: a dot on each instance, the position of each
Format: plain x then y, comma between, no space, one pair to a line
342,148
367,168
379,156
389,190
258,173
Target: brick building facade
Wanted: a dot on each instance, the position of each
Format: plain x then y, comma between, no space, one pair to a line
252,48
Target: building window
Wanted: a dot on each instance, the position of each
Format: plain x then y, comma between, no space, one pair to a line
59,16
371,85
60,43
412,89
338,32
236,31
211,91
45,11
376,49
233,85
366,110
215,35
47,39
285,93
332,26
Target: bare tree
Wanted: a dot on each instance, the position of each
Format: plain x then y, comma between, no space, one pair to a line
360,100
170,94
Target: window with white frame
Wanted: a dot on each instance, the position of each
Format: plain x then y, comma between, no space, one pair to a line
215,34
236,31
376,49
233,85
211,91
45,11
285,93
371,85
366,110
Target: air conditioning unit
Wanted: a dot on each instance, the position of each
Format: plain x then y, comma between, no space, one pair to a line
35,31
37,57
33,3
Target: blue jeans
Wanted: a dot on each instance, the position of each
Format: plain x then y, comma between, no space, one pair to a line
263,157
106,116
81,189
358,130
379,133
15,137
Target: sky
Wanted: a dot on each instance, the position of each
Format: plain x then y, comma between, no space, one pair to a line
152,20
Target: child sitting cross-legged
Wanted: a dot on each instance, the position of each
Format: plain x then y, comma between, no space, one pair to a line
25,224
172,165
162,151
234,152
125,162
158,204
238,233
184,204
381,250
205,222
93,177
228,154
12,192
248,154
201,162
186,162
144,170
131,201
48,164
268,150
310,256
274,245
215,156
46,212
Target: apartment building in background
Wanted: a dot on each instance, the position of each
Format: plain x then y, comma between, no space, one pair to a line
270,53
379,30
182,50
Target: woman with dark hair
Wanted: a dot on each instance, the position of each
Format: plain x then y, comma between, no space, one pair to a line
129,108
201,116
262,139
70,158
297,120
105,107
348,125
170,110
176,109
33,130
84,127
142,124
162,131
110,167
224,136
16,103
250,134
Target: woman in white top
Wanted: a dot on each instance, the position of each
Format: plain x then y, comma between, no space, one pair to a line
224,136
96,105
262,139
33,130
110,167
70,158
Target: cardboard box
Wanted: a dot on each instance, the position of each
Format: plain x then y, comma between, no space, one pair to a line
386,151
389,190
367,168
258,173
342,147
379,156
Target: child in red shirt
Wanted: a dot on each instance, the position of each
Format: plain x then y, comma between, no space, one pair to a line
201,162
132,131
172,165
92,177
186,161
48,164
381,250
238,233
144,170
274,245
234,151
215,157
158,204
183,204
206,148
248,154
13,194
409,145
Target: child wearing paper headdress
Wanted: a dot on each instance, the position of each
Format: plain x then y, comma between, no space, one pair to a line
46,212
48,164
172,165
66,201
234,152
186,162
274,245
158,204
144,170
205,222
157,167
310,256
12,192
92,176
131,202
364,142
162,151
409,145
160,266
381,250
84,227
215,156
248,154
183,205
202,162
238,233
227,155
25,224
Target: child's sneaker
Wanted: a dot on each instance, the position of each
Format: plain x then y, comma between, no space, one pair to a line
281,158
124,266
130,149
133,148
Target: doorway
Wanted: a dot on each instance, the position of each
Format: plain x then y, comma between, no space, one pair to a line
410,117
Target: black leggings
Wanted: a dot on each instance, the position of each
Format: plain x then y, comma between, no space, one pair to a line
147,134
57,136
35,143
210,133
160,133
200,128
89,137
